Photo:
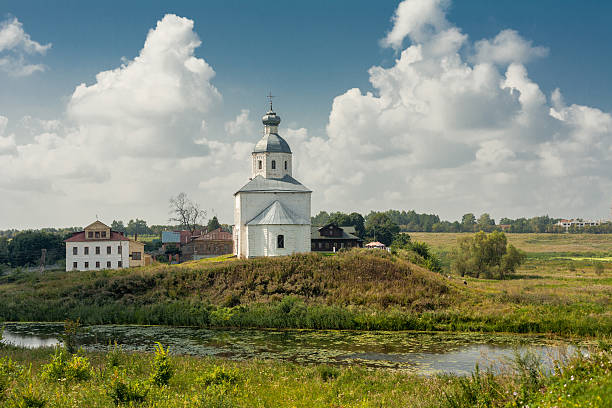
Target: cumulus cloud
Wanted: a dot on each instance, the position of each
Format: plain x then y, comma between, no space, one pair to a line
454,126
15,44
129,138
507,47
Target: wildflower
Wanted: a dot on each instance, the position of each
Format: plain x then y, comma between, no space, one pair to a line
572,378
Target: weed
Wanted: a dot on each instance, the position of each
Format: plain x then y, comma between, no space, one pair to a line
162,366
28,398
219,375
327,372
123,391
599,268
64,367
114,356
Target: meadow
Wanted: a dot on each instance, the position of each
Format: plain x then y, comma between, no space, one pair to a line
358,290
54,378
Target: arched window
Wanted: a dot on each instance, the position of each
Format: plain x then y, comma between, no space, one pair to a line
285,164
259,164
280,241
273,164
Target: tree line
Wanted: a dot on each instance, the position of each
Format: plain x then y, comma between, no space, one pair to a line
411,221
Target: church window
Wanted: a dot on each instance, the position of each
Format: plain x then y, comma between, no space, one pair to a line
280,241
259,164
285,164
273,164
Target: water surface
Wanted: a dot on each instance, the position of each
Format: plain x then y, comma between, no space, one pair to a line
419,352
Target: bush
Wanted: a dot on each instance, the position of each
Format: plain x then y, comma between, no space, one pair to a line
162,366
123,391
327,372
9,371
220,376
63,367
487,255
599,268
29,399
114,356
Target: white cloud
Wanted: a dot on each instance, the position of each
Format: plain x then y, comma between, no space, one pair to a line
416,19
15,43
241,126
452,132
452,126
507,47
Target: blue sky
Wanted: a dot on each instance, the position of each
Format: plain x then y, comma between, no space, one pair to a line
308,53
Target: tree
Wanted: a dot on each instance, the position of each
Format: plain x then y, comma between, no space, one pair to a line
339,219
322,218
487,255
137,226
26,248
380,227
213,224
485,223
186,212
356,220
118,226
467,222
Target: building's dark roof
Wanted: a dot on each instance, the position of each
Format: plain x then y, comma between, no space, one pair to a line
285,184
347,233
80,237
272,142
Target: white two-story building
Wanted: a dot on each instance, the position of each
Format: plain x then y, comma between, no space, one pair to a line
98,247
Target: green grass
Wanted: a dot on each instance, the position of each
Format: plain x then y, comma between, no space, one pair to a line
361,290
211,382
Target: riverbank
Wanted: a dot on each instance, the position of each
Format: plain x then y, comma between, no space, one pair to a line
119,378
357,290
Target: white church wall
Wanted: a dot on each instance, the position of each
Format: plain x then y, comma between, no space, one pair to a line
263,240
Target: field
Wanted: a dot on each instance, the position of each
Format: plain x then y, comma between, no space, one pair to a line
552,244
140,379
363,290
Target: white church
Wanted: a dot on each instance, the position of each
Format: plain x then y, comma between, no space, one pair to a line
271,211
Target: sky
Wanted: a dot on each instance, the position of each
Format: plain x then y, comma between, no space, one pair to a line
109,109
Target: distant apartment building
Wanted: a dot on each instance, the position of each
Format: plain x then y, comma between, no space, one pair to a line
576,223
98,247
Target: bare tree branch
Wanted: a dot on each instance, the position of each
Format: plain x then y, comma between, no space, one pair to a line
186,212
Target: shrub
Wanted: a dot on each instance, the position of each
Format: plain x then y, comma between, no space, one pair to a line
29,399
114,356
9,371
220,376
123,391
599,268
327,372
162,366
71,329
64,367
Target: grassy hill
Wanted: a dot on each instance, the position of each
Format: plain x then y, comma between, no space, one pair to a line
353,290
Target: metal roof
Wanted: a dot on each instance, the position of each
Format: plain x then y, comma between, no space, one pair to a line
347,233
285,184
278,214
272,142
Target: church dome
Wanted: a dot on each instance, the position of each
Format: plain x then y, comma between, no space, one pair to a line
271,119
272,142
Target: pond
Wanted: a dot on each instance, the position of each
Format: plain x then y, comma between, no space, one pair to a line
419,352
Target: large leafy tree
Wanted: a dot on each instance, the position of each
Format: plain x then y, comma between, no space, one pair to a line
138,226
468,221
381,228
26,248
118,226
487,255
